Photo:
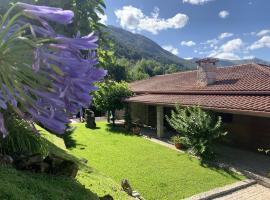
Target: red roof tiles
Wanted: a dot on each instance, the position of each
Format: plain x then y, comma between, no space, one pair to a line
248,77
243,88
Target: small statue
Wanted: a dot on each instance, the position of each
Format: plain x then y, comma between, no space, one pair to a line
90,119
126,187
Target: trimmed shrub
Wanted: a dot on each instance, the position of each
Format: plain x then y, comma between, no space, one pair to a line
199,129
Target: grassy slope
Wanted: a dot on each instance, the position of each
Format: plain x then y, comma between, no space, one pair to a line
155,171
18,185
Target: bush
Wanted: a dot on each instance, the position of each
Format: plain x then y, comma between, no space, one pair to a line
21,138
198,128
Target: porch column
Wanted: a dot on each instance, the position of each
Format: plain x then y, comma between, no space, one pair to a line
160,119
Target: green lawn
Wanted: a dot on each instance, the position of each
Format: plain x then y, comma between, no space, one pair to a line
157,172
89,183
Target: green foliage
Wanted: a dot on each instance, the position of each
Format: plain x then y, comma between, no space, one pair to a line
21,138
131,70
177,139
199,129
110,96
136,47
134,57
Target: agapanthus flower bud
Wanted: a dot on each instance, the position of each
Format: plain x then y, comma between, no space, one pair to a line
53,14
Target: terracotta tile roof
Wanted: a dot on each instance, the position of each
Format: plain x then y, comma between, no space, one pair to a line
248,78
225,102
242,88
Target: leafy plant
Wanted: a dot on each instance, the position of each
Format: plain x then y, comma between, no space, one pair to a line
177,139
21,138
200,130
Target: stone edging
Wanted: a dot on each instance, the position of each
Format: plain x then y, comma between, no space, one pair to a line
259,179
221,191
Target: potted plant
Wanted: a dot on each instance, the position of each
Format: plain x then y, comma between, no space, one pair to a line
178,141
136,130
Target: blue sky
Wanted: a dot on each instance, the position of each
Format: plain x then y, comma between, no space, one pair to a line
230,29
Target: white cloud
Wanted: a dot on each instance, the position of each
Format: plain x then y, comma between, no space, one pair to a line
228,50
224,14
261,43
188,43
196,2
263,32
171,49
103,18
189,58
211,42
225,35
248,57
232,45
225,55
135,20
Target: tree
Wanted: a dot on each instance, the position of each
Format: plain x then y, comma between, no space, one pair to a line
110,97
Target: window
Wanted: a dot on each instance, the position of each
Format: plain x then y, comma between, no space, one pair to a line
226,117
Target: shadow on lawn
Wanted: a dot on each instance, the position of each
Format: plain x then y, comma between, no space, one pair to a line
68,139
215,167
48,186
47,183
118,129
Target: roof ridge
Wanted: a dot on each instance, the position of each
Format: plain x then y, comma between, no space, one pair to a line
207,92
263,68
193,70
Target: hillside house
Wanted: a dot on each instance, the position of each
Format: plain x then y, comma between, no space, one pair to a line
240,94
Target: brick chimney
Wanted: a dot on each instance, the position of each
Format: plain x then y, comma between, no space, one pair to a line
206,74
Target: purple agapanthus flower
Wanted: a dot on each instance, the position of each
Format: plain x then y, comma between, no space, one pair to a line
70,75
53,14
83,43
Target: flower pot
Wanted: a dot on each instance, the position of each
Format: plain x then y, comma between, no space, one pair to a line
177,145
136,130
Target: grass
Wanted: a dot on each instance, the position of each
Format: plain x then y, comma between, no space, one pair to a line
89,184
155,171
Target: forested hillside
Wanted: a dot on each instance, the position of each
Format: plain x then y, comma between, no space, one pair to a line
138,57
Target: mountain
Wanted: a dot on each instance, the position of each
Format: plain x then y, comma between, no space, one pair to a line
135,47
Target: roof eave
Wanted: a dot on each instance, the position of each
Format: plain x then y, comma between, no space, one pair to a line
223,110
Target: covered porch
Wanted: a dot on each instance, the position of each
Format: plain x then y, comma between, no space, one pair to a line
150,115
244,129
